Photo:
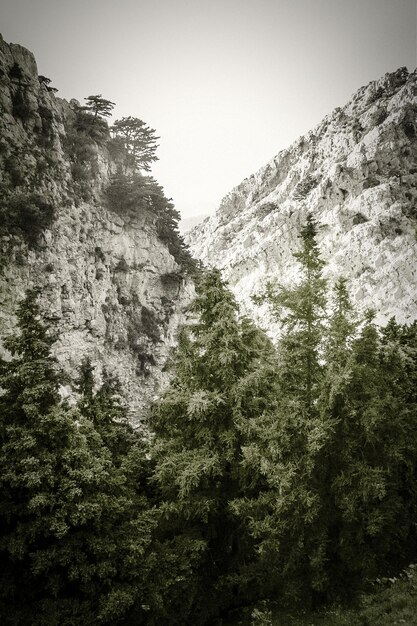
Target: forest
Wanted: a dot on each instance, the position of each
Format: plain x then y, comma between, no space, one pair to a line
275,475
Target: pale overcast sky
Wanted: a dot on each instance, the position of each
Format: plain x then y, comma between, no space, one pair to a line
226,83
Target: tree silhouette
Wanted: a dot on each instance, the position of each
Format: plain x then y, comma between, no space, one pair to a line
98,106
139,141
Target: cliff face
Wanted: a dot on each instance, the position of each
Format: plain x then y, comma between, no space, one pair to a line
108,283
356,172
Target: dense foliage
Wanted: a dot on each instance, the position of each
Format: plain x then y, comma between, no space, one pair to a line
73,517
26,215
276,473
197,453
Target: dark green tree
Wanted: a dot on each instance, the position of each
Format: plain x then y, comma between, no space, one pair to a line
334,454
284,442
139,141
74,528
372,454
106,409
197,454
301,313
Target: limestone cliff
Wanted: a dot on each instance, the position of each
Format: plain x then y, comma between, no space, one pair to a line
357,173
108,283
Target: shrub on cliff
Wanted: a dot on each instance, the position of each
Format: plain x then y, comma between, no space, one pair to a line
27,215
136,194
21,108
304,187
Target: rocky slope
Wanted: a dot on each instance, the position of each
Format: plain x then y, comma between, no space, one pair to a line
357,173
108,283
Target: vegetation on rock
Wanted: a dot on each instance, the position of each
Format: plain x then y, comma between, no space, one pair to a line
279,479
138,140
98,106
25,214
137,194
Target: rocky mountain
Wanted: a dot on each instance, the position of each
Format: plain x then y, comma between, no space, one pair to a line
356,172
108,282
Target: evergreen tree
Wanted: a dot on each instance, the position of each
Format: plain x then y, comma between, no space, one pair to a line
284,442
301,313
73,530
139,141
98,106
107,411
334,454
331,405
197,454
373,454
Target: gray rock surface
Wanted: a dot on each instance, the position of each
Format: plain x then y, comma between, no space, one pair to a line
108,284
356,172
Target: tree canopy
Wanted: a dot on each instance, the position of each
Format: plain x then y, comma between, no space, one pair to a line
139,141
74,522
98,106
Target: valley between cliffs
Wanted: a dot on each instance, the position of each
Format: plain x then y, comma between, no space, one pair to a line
110,285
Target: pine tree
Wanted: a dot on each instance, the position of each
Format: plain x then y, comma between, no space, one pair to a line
373,481
139,141
106,410
331,456
73,530
197,453
98,106
284,442
301,313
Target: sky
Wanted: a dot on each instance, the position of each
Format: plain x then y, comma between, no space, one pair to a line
227,84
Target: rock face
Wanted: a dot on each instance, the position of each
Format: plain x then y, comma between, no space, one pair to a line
187,223
356,172
108,283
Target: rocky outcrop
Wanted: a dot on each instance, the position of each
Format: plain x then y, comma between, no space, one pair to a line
108,283
356,172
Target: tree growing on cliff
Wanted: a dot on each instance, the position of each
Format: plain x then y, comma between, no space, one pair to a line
136,194
43,80
139,141
90,124
98,106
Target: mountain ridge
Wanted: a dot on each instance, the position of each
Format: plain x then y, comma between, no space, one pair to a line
356,172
